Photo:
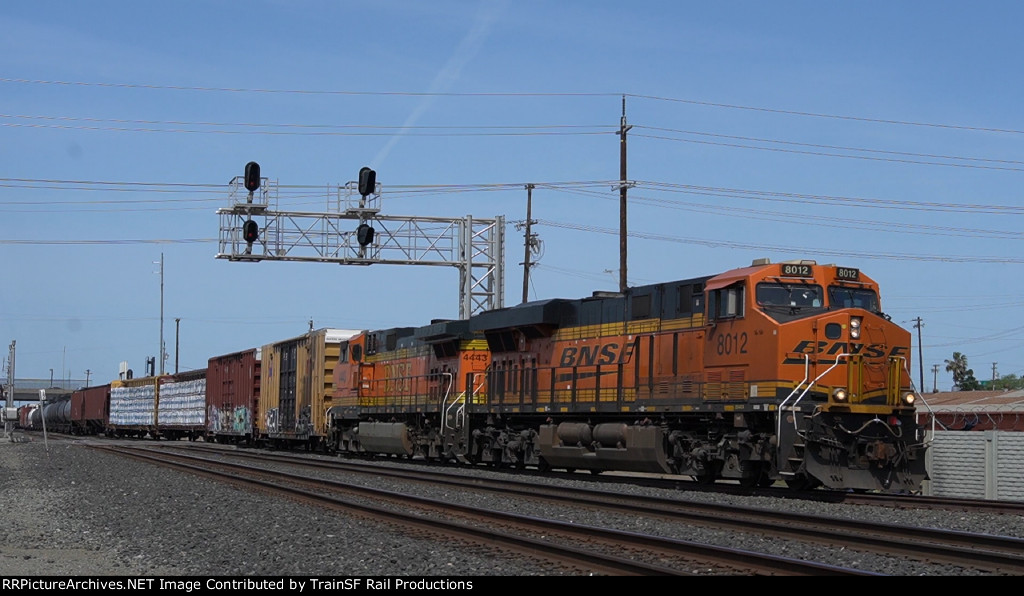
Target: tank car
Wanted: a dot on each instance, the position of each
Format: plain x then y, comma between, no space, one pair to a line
56,415
26,415
774,372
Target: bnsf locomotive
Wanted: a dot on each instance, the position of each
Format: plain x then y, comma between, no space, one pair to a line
787,371
774,372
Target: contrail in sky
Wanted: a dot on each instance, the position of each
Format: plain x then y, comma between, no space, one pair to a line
467,49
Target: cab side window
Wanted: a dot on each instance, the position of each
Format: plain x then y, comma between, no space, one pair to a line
726,303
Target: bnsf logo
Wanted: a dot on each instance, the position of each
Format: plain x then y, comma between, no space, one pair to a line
601,354
841,347
397,377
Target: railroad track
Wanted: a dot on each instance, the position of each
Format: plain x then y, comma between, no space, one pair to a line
984,552
680,483
582,549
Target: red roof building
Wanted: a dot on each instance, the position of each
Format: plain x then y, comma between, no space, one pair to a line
973,410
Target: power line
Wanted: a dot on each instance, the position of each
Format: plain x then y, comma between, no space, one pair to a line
616,94
718,243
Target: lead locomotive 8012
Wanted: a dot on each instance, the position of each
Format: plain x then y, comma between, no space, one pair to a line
787,371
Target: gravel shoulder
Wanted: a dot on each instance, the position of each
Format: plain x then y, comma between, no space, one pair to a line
73,511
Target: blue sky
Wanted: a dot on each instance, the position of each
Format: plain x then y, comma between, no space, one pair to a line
886,136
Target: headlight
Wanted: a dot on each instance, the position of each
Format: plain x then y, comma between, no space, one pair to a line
855,327
909,399
839,394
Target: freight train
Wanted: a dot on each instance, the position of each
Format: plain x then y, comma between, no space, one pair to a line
774,372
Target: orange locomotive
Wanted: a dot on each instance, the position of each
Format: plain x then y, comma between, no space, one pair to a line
786,371
406,391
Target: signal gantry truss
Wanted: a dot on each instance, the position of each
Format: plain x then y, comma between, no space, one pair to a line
475,246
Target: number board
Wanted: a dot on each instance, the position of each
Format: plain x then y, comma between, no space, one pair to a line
847,273
797,270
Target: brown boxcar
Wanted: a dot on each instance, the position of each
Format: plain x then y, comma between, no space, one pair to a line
90,410
233,396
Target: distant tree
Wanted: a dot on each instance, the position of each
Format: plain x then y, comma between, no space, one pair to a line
1008,382
963,377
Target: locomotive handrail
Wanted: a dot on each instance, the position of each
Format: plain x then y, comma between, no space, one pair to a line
445,406
803,394
807,374
920,396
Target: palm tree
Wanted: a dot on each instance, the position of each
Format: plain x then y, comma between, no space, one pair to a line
963,377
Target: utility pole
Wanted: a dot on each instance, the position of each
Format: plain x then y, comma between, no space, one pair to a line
9,424
920,357
529,242
994,375
935,377
87,373
623,230
160,353
177,345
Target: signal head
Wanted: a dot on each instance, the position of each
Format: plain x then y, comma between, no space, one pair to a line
367,181
364,234
250,231
252,176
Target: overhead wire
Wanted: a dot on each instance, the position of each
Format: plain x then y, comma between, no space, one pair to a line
658,98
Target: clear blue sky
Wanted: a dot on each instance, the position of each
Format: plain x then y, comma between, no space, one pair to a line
881,135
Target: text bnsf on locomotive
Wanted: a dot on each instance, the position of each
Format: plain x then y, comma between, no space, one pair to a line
774,372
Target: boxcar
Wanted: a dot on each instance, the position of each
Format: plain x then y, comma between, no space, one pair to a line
297,387
90,410
233,396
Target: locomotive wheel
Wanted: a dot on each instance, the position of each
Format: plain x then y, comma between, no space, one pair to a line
759,479
802,482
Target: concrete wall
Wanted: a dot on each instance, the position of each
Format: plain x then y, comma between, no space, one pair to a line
976,465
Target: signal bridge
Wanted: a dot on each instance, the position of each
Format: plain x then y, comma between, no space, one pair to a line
353,232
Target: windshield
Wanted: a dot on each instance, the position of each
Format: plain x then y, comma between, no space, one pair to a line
788,295
840,297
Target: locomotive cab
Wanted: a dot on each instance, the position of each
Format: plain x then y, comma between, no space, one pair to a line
848,419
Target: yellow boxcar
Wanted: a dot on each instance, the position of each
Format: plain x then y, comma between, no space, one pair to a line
297,387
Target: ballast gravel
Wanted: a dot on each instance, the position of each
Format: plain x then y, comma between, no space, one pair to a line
74,511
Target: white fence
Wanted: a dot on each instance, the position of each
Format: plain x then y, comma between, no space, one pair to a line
976,465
